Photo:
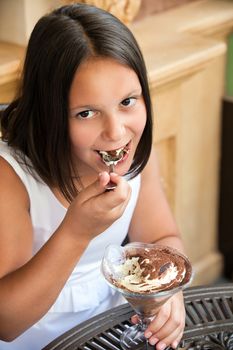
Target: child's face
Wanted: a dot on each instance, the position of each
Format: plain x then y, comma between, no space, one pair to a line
107,112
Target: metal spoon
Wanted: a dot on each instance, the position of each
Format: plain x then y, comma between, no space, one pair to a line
111,185
111,161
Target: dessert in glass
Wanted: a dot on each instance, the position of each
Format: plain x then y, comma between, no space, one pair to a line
147,275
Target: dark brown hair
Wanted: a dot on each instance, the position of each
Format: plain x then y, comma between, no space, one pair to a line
36,122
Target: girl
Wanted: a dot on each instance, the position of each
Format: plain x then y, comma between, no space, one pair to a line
84,90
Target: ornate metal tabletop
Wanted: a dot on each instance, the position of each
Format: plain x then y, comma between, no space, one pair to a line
209,324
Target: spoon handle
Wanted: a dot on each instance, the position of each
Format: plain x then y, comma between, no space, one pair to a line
111,168
111,185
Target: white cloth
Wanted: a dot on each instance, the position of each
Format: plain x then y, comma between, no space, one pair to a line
85,293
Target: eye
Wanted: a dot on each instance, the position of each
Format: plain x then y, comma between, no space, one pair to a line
85,114
130,101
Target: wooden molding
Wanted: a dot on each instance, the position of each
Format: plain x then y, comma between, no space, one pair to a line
11,57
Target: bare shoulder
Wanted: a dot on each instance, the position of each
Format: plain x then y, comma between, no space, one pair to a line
15,223
11,185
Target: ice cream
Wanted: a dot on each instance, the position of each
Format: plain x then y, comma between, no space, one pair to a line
111,158
147,275
151,270
114,156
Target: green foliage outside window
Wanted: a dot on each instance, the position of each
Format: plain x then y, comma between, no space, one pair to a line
229,68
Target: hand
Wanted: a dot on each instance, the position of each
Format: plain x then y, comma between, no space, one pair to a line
94,209
166,329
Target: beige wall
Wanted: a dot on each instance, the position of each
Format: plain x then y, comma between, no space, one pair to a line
18,17
149,7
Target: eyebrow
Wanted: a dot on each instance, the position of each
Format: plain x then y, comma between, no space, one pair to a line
133,92
83,107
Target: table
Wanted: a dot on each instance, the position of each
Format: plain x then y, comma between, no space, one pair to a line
209,324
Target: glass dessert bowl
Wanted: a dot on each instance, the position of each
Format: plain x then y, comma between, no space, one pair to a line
147,275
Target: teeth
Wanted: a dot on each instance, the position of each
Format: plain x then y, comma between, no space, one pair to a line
113,157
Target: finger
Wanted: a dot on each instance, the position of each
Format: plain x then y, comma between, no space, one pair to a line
170,316
118,202
96,188
159,321
134,319
103,178
171,332
169,328
172,340
176,342
114,179
122,192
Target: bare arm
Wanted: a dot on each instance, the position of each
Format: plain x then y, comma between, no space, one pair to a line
25,280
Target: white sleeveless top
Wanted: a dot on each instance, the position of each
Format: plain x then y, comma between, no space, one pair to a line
85,293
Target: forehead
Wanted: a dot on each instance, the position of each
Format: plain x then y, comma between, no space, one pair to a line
98,76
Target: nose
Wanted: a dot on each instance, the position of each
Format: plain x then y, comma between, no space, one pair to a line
113,127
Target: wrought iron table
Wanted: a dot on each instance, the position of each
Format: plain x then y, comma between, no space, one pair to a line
209,324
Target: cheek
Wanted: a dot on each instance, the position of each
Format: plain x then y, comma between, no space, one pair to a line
80,137
140,121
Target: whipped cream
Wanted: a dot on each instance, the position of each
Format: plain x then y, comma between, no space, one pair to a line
142,274
113,157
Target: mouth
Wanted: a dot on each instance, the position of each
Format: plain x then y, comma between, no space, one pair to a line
112,157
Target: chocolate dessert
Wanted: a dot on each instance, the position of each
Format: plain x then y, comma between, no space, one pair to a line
147,275
146,271
113,157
